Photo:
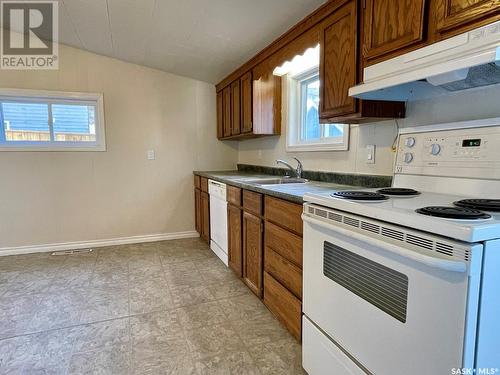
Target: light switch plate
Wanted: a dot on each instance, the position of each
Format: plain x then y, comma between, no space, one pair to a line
370,154
151,155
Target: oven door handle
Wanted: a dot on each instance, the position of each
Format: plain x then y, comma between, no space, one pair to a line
431,261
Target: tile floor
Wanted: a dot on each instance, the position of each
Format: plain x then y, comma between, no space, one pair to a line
158,308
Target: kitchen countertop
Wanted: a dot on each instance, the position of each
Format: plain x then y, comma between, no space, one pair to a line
291,192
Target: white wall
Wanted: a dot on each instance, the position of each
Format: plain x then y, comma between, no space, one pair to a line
480,103
54,197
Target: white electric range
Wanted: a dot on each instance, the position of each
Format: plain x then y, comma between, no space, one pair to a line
405,280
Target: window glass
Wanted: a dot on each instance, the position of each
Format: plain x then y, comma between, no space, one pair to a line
310,109
311,129
26,122
73,123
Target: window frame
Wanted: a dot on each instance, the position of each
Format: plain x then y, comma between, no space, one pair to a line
295,117
50,98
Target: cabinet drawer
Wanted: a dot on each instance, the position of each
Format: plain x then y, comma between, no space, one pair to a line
234,195
285,214
197,182
204,184
286,244
252,202
283,304
284,271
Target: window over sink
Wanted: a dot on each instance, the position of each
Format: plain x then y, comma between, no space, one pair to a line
304,131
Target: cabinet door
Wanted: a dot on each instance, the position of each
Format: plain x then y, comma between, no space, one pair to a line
197,210
205,216
235,108
252,252
454,14
338,62
226,103
234,239
267,105
220,115
246,103
390,25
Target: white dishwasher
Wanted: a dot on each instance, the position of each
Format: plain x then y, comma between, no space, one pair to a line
218,219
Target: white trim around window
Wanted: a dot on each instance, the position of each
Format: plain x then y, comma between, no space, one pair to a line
295,101
54,98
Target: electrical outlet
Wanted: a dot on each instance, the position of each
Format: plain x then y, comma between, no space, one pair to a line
370,154
151,155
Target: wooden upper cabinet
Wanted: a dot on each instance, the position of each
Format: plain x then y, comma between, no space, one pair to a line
220,115
461,15
227,111
338,62
267,105
391,25
235,108
246,102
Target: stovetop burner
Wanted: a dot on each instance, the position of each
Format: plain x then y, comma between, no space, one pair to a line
453,213
359,195
398,191
480,204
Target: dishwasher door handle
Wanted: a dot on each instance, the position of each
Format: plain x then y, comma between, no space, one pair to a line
215,183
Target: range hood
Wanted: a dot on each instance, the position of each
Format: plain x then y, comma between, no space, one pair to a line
463,62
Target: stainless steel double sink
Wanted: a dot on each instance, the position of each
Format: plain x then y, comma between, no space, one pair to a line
277,181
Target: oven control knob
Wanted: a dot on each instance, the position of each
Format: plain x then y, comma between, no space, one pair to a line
410,142
435,149
408,157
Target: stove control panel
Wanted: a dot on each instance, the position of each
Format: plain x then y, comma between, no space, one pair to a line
471,152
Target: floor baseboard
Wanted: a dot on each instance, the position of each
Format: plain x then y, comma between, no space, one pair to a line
4,251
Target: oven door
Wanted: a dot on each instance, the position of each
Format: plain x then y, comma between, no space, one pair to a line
393,310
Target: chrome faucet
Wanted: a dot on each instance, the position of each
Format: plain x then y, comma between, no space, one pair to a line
297,171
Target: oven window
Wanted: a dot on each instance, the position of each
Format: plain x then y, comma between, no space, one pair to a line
377,284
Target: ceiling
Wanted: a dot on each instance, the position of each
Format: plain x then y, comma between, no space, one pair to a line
201,39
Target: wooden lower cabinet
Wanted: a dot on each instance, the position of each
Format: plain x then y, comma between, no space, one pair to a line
252,252
234,225
197,210
252,202
266,254
285,214
284,305
283,242
205,216
283,262
284,271
202,208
